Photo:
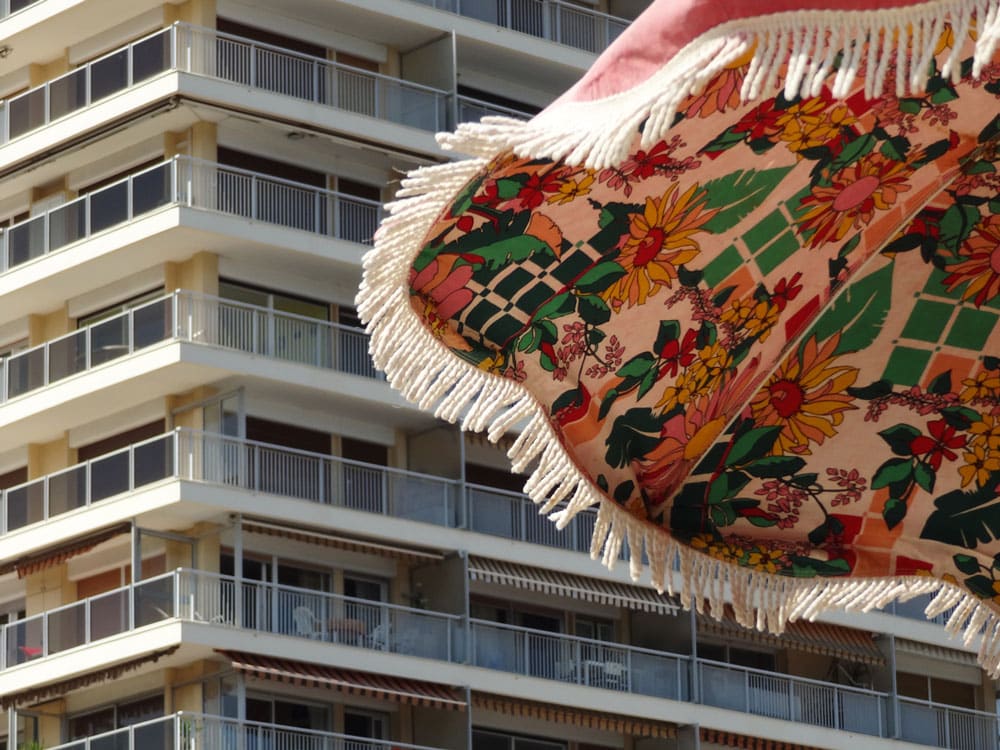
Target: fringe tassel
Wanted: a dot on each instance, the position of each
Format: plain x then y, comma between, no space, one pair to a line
598,134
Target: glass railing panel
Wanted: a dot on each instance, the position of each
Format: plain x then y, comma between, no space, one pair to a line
25,372
420,498
151,323
109,614
109,75
150,56
153,461
152,189
109,340
724,688
26,112
660,676
67,356
16,5
108,207
154,600
109,476
24,641
865,713
26,241
67,627
67,490
67,93
67,224
25,504
413,107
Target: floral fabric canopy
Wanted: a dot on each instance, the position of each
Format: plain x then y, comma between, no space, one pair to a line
741,288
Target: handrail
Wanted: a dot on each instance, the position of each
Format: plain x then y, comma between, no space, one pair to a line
555,20
187,726
207,52
205,185
194,317
488,108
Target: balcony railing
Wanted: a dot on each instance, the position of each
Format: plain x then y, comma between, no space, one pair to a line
582,661
558,21
193,731
207,52
200,596
793,698
224,601
473,110
188,316
199,184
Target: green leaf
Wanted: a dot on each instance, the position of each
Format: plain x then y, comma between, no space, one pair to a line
896,148
752,445
633,434
722,515
614,222
818,535
529,340
637,367
909,106
892,471
981,586
726,485
807,567
943,94
624,491
899,437
606,403
852,152
772,467
858,312
738,194
689,278
762,521
893,512
924,476
599,278
510,250
669,330
875,390
602,482
572,397
593,310
959,417
965,519
648,381
557,307
966,564
991,131
957,224
726,140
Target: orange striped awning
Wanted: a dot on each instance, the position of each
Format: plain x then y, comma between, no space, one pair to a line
349,681
59,554
811,637
730,739
576,717
309,536
642,598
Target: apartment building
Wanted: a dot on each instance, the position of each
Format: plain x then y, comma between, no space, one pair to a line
220,529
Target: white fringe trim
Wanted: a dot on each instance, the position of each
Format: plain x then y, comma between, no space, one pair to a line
600,133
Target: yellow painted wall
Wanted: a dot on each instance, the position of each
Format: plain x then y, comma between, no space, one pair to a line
199,273
46,458
199,12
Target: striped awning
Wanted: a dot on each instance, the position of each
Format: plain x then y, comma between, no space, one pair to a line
351,682
811,637
731,739
932,651
59,554
309,536
573,716
640,598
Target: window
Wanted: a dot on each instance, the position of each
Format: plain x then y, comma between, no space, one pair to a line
742,657
118,330
269,709
594,628
368,724
118,716
488,740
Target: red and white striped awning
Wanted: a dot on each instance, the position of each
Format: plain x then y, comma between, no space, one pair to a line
640,598
351,682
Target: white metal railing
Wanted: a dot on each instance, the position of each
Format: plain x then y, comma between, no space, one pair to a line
798,699
207,52
201,596
505,513
473,110
186,730
602,664
201,184
188,316
938,725
556,20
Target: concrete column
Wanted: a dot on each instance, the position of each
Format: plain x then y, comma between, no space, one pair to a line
198,12
46,458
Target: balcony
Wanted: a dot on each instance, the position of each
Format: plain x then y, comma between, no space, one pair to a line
8,7
557,21
199,184
223,57
192,731
197,318
471,109
225,602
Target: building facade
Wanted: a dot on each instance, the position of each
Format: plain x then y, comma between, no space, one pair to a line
220,529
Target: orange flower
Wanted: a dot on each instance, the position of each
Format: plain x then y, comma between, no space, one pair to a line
812,122
855,193
806,397
659,240
980,266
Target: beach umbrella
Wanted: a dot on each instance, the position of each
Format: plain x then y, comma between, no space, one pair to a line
740,289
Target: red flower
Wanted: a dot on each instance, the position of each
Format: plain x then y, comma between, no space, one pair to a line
678,353
760,122
532,194
940,445
785,291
